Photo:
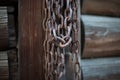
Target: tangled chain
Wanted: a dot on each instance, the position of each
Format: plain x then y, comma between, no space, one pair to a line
62,28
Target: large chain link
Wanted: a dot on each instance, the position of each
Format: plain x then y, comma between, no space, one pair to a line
62,30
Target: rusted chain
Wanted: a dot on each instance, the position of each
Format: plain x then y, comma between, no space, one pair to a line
62,31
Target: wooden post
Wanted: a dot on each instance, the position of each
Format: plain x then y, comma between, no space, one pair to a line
31,38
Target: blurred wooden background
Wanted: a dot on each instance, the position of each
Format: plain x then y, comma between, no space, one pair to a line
101,57
102,36
102,7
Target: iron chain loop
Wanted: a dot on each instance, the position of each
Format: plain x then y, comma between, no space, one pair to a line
62,30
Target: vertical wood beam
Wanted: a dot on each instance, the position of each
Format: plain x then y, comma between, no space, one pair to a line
31,37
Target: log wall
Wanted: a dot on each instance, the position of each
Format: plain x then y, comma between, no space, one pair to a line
7,29
8,51
101,36
101,7
13,64
4,69
3,28
101,69
102,40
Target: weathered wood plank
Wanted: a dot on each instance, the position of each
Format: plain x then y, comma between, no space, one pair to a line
101,7
3,55
4,73
8,2
31,37
3,63
101,69
3,28
4,78
102,36
7,29
13,64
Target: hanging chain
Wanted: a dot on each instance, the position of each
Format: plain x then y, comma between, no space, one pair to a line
62,30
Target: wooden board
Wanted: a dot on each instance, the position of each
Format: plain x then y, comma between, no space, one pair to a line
101,69
3,28
4,69
31,37
9,59
101,7
3,55
13,64
7,29
3,63
102,36
8,2
4,73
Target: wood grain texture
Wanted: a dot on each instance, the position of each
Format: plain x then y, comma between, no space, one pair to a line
3,55
13,64
4,73
101,7
8,2
11,30
3,63
7,29
4,70
101,68
3,28
101,36
31,38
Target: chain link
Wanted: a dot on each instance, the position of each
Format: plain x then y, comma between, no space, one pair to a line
62,31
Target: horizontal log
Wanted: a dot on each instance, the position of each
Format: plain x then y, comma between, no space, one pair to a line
3,63
3,55
4,78
9,59
101,7
4,73
101,69
4,70
101,36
